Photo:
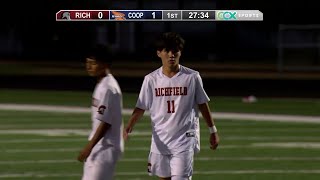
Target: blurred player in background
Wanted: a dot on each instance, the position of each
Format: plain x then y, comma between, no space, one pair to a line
174,95
105,144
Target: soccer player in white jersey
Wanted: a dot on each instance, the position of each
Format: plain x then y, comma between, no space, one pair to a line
173,94
105,145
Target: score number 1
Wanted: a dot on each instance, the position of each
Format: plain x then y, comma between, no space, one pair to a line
153,15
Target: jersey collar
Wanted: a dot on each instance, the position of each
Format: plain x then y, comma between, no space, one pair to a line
163,75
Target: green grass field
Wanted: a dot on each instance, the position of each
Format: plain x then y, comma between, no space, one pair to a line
44,145
308,107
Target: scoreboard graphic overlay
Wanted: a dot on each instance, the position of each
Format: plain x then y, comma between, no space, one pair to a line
159,15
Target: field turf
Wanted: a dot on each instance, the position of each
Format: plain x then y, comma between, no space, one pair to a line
44,145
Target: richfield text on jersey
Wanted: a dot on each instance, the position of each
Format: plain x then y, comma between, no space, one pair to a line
171,91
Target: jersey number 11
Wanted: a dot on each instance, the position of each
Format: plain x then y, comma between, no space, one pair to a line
170,106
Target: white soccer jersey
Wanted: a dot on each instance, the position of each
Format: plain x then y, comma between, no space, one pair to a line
173,106
107,107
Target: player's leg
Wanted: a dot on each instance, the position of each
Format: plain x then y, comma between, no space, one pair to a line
162,178
86,171
181,177
182,165
102,172
98,172
159,165
101,163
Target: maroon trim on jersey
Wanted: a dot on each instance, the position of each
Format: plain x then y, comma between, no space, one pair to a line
95,102
149,167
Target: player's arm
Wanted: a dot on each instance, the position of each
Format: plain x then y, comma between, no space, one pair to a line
206,113
143,103
136,115
100,132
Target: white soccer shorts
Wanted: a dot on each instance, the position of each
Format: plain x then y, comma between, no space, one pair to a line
180,164
101,163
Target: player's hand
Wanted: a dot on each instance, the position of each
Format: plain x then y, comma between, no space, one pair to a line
214,141
84,154
126,133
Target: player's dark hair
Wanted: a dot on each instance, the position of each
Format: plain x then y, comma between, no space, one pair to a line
170,41
101,53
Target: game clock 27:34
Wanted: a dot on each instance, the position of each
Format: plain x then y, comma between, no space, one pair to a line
203,15
200,15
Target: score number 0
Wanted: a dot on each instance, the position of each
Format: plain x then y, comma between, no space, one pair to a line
100,15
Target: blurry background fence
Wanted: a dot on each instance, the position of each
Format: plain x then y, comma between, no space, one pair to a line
299,47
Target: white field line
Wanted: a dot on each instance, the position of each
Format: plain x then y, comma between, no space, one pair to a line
16,150
315,145
41,140
136,133
63,161
62,132
37,175
44,108
143,173
78,132
256,138
15,125
305,145
85,127
216,115
48,132
85,131
76,149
